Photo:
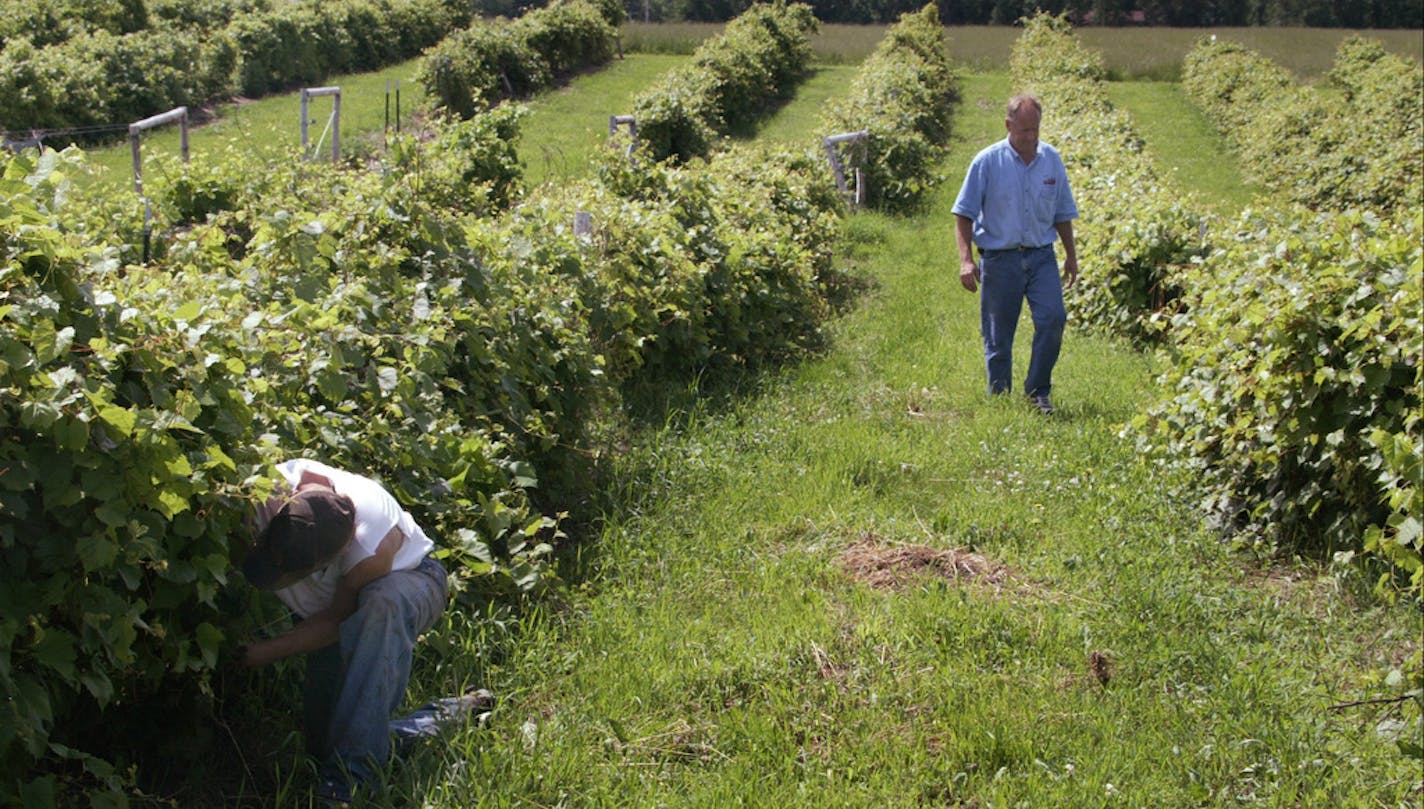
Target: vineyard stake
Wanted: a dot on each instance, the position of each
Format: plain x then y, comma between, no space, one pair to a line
615,121
333,123
856,199
136,130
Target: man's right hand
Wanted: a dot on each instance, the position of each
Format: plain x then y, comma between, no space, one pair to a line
969,275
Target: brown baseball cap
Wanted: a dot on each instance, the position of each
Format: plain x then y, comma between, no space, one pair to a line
309,531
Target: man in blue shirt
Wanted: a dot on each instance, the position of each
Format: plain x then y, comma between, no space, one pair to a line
1014,203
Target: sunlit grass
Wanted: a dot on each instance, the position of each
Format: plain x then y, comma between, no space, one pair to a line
271,127
568,125
798,123
1184,142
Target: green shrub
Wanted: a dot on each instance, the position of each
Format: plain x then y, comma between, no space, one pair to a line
99,77
57,21
1308,148
143,404
568,36
1137,232
1295,370
375,320
731,81
903,96
479,66
472,165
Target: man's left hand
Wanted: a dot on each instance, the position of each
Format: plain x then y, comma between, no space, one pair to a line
1070,272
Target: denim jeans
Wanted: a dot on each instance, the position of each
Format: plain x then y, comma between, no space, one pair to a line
355,685
1007,278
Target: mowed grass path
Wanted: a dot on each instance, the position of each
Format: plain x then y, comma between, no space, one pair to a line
734,645
571,123
1183,142
271,127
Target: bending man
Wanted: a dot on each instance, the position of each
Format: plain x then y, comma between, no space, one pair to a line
343,555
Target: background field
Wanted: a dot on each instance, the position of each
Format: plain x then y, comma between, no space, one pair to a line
271,126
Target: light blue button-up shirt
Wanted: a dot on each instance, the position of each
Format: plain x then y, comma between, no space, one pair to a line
1012,204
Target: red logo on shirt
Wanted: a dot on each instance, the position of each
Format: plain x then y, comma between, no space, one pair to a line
1051,181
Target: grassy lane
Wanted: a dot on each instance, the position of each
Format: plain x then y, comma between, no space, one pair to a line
1184,142
798,121
569,125
767,625
271,127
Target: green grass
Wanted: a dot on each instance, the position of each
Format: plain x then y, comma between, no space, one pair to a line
718,652
571,123
271,126
1184,142
798,122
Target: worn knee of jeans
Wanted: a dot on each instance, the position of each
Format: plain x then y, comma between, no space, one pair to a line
1052,321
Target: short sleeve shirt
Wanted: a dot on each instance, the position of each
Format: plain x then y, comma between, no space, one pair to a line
376,513
1013,204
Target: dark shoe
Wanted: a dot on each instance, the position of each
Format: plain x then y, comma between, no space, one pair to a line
1042,403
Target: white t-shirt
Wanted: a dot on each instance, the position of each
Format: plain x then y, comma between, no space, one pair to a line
376,512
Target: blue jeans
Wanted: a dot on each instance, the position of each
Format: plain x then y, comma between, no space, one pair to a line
1007,277
355,685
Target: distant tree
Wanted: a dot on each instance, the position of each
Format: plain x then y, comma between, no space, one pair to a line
1177,13
1189,14
867,11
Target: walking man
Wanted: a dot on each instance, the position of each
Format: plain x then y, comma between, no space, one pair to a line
355,567
1015,202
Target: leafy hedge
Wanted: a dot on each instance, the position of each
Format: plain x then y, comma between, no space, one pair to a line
730,82
143,405
691,267
477,67
1138,231
55,21
1310,148
387,322
1294,393
903,96
99,77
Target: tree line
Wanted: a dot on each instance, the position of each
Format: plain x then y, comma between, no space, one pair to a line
1176,13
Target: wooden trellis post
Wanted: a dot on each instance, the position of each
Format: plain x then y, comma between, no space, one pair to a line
615,121
333,123
855,198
